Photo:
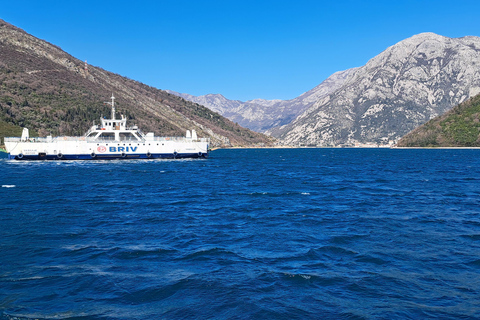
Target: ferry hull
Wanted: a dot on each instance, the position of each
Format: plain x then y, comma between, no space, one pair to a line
74,148
22,157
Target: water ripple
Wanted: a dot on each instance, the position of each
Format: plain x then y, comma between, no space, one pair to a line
267,234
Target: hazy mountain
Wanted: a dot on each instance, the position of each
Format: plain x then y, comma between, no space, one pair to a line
49,91
403,87
262,115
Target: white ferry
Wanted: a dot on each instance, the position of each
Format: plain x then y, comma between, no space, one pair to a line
112,139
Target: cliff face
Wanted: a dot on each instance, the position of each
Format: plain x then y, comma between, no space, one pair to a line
403,87
49,91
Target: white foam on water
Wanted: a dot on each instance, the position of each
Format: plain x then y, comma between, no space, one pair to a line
8,186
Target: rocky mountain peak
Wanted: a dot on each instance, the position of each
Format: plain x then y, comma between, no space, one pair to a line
401,88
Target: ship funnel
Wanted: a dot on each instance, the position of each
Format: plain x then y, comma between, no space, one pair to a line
189,135
25,135
194,135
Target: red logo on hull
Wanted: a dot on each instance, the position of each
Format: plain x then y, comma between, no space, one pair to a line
101,149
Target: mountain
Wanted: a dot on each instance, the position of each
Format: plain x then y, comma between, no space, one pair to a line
458,127
51,92
408,84
263,115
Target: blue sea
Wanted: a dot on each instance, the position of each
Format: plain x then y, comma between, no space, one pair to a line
245,234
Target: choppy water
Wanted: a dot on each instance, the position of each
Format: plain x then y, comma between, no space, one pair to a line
246,234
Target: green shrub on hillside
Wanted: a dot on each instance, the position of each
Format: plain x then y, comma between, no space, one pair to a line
459,127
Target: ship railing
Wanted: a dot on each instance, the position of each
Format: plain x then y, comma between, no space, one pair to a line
183,139
31,139
100,140
66,138
11,139
112,139
46,139
130,139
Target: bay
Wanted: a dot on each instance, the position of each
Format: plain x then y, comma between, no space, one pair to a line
245,234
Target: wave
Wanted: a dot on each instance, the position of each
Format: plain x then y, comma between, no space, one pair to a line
227,238
213,253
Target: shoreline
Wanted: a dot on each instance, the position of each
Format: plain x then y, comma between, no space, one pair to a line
392,148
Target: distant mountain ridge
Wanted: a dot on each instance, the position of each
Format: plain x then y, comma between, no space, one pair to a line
262,115
51,92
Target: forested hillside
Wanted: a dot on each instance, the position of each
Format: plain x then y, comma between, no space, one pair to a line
459,127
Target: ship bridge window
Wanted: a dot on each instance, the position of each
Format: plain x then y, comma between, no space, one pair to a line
127,136
107,136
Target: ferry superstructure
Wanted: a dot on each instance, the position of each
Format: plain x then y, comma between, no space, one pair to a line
112,139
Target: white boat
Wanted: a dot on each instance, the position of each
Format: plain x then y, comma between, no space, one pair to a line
112,139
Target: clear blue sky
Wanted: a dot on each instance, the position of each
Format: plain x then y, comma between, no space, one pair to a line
242,49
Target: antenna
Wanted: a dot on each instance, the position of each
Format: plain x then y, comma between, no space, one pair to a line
113,106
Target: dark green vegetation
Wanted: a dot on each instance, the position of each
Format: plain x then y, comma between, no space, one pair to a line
50,92
459,127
